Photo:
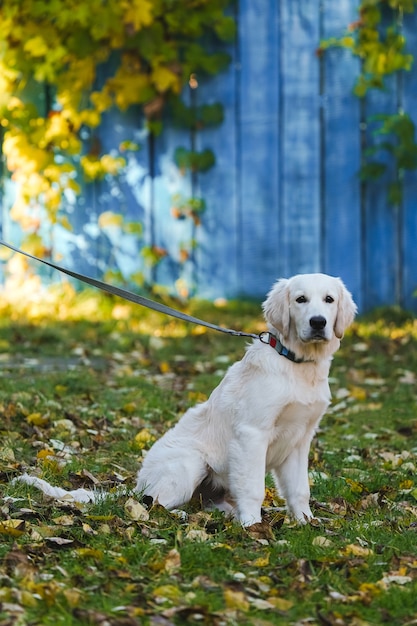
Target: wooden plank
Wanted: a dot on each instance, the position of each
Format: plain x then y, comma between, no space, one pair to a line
113,248
380,221
341,155
218,235
169,233
409,218
300,137
260,256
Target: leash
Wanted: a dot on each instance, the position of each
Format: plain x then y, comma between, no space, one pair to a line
133,297
265,337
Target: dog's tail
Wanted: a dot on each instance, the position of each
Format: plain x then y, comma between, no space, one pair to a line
76,495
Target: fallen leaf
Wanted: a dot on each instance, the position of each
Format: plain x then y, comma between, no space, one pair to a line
59,542
322,542
262,561
63,520
90,552
282,604
197,534
73,596
395,578
353,549
136,511
13,527
166,592
173,561
236,600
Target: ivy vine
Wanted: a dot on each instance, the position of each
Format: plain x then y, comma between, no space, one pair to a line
378,40
50,54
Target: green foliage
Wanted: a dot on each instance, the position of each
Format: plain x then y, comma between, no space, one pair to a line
194,161
396,136
378,42
377,39
50,55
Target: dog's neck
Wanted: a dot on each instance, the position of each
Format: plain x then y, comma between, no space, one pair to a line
272,339
302,352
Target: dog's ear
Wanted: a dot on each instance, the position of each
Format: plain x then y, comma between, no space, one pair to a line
277,307
346,311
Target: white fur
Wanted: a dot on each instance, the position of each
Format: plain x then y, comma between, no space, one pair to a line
262,416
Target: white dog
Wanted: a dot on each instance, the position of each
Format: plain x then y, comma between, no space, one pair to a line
262,416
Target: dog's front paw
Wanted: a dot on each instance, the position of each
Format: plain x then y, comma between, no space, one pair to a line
248,519
302,516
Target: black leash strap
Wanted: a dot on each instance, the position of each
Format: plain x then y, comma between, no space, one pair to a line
132,297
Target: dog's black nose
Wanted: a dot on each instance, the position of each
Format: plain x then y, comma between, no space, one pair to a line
318,322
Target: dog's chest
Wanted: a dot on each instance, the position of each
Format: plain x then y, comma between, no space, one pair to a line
295,424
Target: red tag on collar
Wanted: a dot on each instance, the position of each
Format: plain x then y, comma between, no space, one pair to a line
272,341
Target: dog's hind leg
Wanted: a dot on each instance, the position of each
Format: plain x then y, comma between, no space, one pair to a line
171,473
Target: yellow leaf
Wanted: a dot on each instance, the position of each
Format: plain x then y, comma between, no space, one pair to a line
64,520
129,408
370,588
7,454
101,100
263,561
167,592
37,419
46,590
354,485
27,598
36,46
12,527
322,542
197,534
44,454
90,117
135,510
73,596
353,549
90,552
173,561
165,79
358,393
92,167
164,367
138,13
108,219
112,165
236,600
281,603
143,438
61,389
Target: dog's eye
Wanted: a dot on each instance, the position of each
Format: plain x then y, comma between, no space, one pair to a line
301,299
329,299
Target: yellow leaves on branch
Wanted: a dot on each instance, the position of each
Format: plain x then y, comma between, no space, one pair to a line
36,46
97,168
164,79
137,13
64,52
50,52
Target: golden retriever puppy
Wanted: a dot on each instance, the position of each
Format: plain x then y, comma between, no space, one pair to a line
262,416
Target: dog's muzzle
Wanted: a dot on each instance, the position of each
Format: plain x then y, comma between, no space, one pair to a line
318,325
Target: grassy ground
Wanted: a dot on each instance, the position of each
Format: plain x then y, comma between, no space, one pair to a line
87,384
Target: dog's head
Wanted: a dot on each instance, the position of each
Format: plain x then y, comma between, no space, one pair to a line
310,308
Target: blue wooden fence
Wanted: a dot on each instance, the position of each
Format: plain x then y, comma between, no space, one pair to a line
284,196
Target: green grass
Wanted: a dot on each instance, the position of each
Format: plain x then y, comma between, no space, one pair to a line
83,376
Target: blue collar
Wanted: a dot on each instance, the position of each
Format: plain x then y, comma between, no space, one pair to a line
273,341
